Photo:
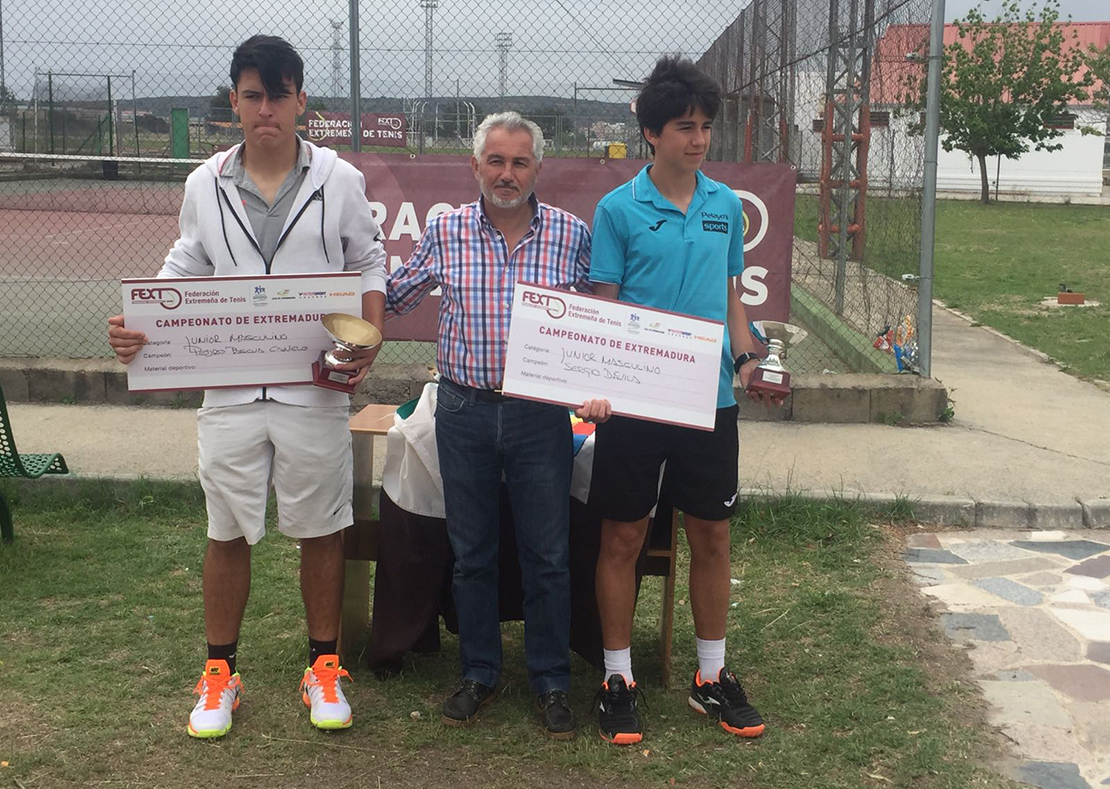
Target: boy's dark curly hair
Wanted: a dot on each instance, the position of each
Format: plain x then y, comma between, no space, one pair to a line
674,88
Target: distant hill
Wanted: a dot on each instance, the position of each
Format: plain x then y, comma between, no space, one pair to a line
483,105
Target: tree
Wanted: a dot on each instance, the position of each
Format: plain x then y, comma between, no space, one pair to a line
1004,83
7,98
220,104
1098,62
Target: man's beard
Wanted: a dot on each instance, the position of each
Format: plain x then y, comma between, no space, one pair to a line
515,202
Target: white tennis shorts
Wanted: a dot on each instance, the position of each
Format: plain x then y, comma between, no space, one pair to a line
304,452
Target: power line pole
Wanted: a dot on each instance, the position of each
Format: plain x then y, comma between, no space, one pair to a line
356,80
429,7
336,58
929,194
3,83
504,42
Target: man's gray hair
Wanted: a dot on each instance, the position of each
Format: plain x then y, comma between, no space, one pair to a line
510,121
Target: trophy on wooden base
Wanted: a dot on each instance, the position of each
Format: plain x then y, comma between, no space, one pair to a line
772,377
350,335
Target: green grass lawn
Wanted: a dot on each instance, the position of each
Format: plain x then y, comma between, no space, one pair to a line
101,622
890,244
998,262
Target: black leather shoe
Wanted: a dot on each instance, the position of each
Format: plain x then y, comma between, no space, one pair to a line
462,706
555,715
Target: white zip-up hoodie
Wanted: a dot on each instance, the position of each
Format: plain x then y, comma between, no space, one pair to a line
329,228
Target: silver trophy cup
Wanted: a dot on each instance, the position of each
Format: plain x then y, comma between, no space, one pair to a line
350,335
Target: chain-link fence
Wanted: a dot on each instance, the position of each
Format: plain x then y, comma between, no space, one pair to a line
106,109
820,84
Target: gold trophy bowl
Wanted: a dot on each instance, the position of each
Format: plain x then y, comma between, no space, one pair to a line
350,335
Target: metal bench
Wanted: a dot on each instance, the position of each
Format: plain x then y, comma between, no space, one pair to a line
13,464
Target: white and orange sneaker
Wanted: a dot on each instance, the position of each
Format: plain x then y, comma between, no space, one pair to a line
323,696
219,692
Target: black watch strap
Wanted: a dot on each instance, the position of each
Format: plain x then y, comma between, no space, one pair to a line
743,359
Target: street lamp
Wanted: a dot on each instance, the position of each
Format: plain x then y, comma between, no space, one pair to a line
3,82
429,7
504,42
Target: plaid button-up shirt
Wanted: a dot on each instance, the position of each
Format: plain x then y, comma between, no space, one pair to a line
466,256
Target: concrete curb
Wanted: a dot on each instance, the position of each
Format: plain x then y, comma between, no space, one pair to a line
930,510
104,382
969,512
851,345
835,398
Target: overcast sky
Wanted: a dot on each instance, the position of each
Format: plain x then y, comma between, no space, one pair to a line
185,46
559,47
1080,10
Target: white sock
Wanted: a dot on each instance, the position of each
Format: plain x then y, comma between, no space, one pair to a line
711,659
619,661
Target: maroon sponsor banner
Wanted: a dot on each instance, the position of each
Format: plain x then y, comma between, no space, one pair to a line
406,192
334,128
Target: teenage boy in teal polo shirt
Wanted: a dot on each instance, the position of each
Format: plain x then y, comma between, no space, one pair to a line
672,239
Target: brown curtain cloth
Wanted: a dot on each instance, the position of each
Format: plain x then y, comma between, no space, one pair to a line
412,584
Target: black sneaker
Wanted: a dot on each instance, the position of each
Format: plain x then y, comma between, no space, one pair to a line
725,701
617,718
462,706
555,715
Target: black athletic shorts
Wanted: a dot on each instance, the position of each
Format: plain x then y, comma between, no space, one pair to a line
701,467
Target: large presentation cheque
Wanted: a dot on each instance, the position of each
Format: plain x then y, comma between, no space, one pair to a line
212,332
567,348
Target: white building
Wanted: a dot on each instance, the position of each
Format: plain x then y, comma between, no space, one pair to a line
895,156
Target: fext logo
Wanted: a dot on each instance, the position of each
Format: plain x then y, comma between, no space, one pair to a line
555,306
169,298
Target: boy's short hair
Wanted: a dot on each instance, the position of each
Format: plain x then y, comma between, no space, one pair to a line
674,88
274,58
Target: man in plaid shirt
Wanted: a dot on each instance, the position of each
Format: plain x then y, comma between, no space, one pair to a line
476,255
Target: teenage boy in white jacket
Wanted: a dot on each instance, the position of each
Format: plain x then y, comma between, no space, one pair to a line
275,204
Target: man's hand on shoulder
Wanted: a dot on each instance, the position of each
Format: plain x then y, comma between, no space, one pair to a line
607,290
125,342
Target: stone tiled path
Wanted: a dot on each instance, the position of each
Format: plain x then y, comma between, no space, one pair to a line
1034,610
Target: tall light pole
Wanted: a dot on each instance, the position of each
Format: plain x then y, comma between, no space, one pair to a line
929,194
429,7
336,57
356,79
3,82
504,42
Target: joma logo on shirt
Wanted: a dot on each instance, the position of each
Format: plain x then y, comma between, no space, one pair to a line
714,226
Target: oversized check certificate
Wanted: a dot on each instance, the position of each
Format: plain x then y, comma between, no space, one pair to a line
213,332
568,347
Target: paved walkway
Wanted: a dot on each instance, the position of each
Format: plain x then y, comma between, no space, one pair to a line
1033,610
1024,433
1027,445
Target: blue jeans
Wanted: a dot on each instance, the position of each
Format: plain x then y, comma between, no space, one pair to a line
530,443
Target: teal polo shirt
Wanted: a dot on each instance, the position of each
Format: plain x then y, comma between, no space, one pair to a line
668,260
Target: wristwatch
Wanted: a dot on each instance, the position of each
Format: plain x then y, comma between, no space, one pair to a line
743,359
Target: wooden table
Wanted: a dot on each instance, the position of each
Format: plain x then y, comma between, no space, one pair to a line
360,541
